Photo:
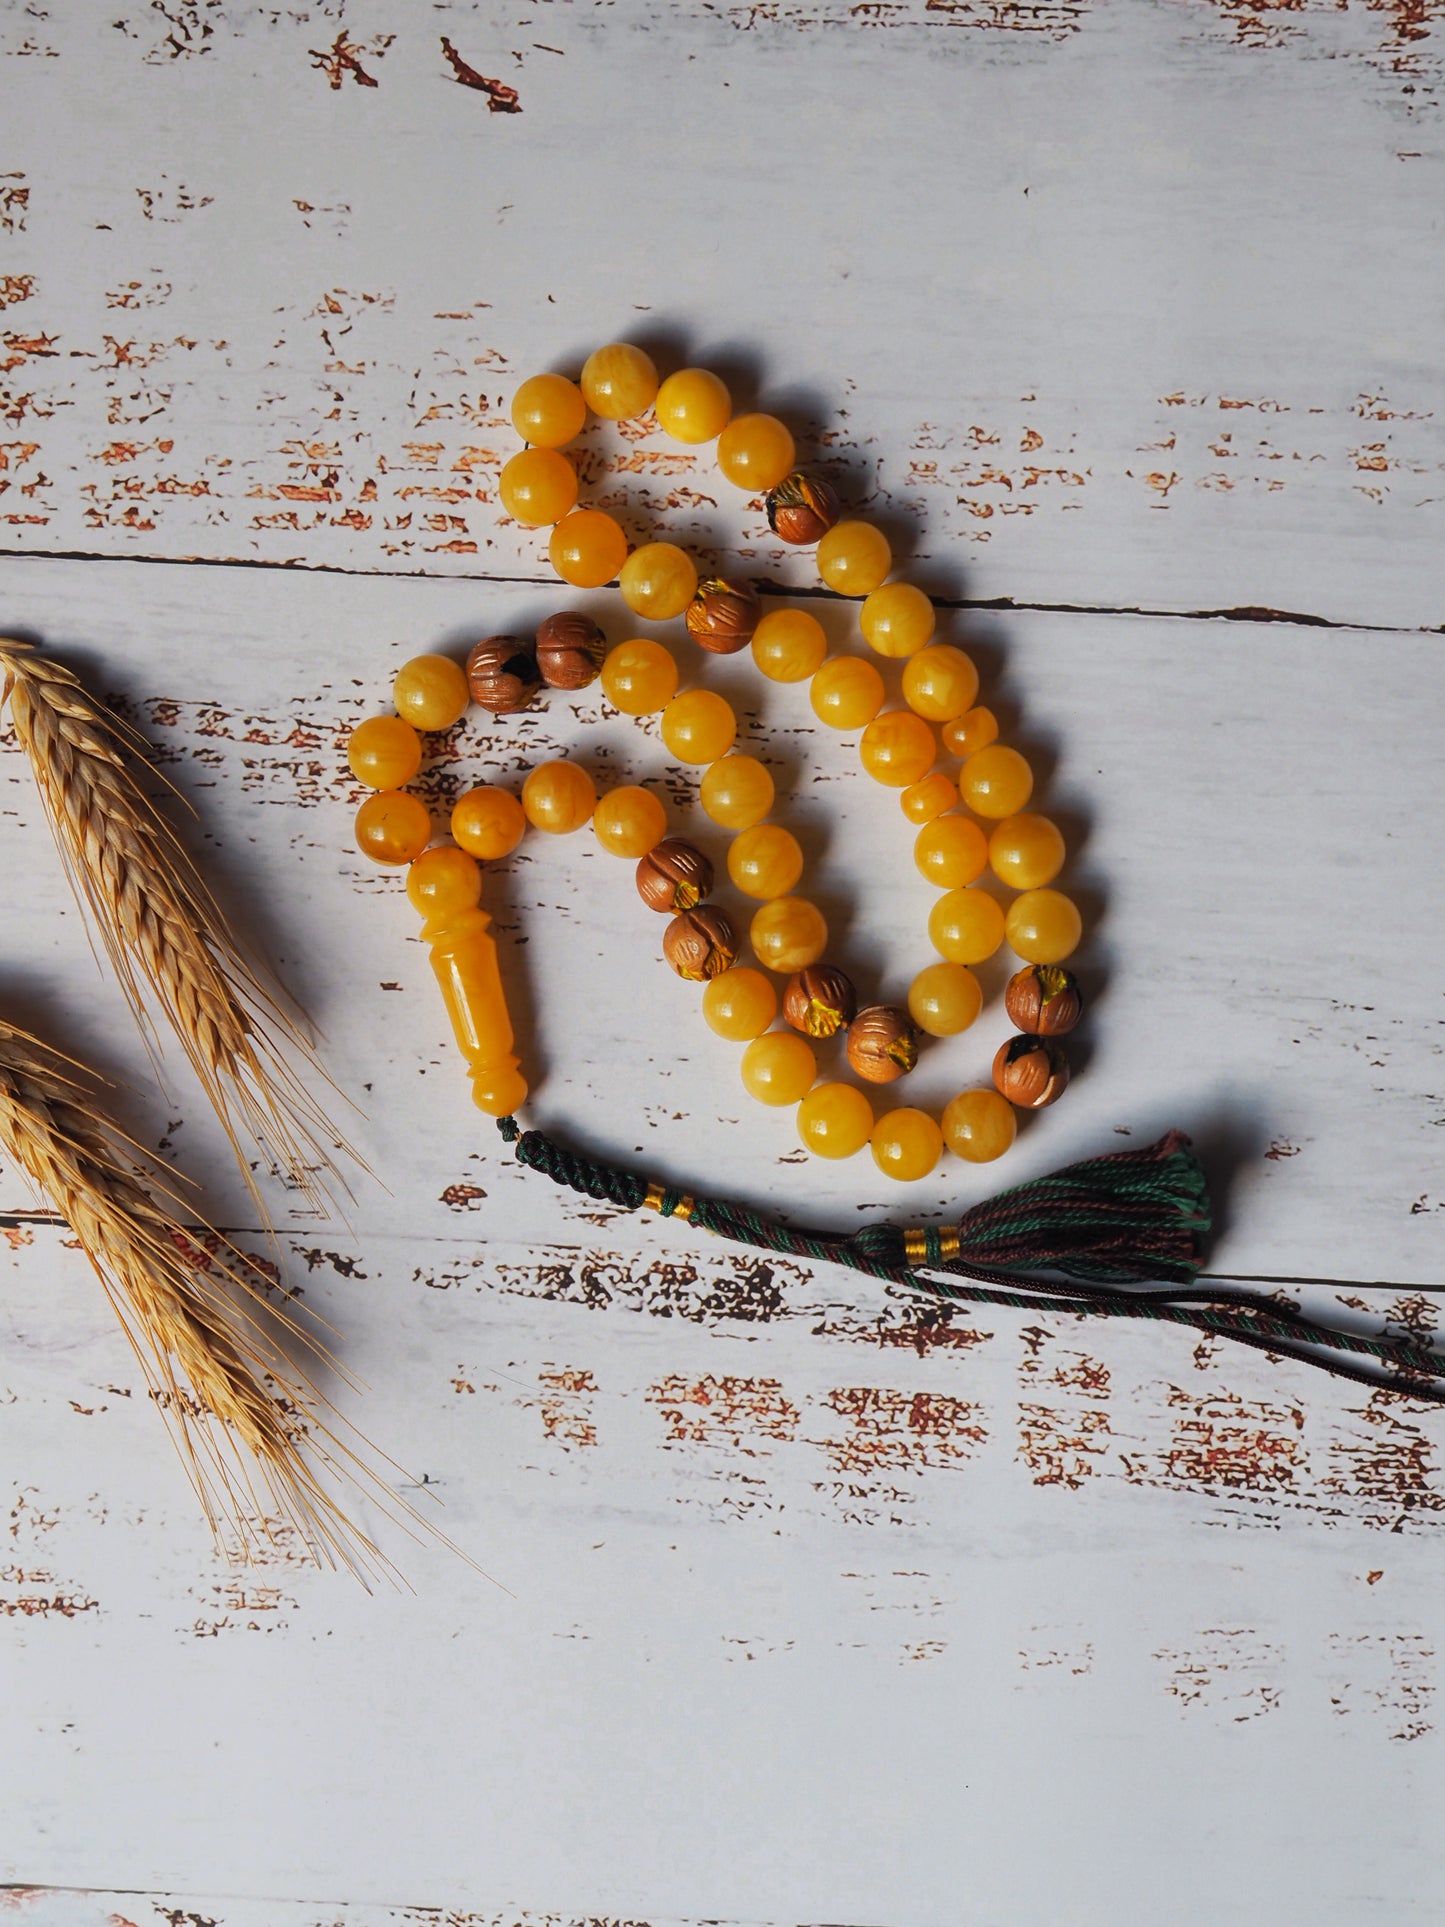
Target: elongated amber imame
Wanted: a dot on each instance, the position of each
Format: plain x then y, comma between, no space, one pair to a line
464,957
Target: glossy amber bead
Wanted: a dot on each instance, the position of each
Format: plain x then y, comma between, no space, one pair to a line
693,406
538,486
846,693
789,645
740,1004
430,692
951,851
854,557
972,731
699,726
384,752
765,861
778,1067
788,934
393,826
736,792
658,581
996,781
906,1144
897,619
443,881
446,886
619,381
835,1120
639,677
966,926
931,796
979,1126
940,682
1026,852
944,998
587,548
755,452
897,748
558,797
629,821
548,410
1043,926
488,823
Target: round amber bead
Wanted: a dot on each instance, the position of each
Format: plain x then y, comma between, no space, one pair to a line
778,1067
789,645
966,926
736,792
972,731
619,381
548,410
693,406
788,934
944,998
393,826
431,692
699,726
558,797
940,682
755,452
629,821
538,486
1026,852
1043,926
740,1004
384,752
846,693
951,851
765,861
897,619
639,677
489,823
979,1126
996,781
931,796
906,1144
897,748
835,1120
587,548
443,881
658,581
854,557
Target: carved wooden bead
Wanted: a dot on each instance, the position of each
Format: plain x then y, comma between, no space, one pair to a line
882,1043
819,1001
802,508
570,648
1030,1071
502,673
1044,1000
673,876
700,944
723,615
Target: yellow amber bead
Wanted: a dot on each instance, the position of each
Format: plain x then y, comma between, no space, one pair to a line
393,827
558,797
929,797
897,619
944,998
789,645
846,693
1043,926
897,748
740,1004
755,452
966,926
384,752
996,781
765,861
440,882
972,731
587,548
629,821
639,677
940,682
693,406
951,851
699,726
431,692
835,1120
548,410
538,486
788,934
658,581
1026,852
854,557
906,1144
489,823
736,792
619,381
979,1126
778,1067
